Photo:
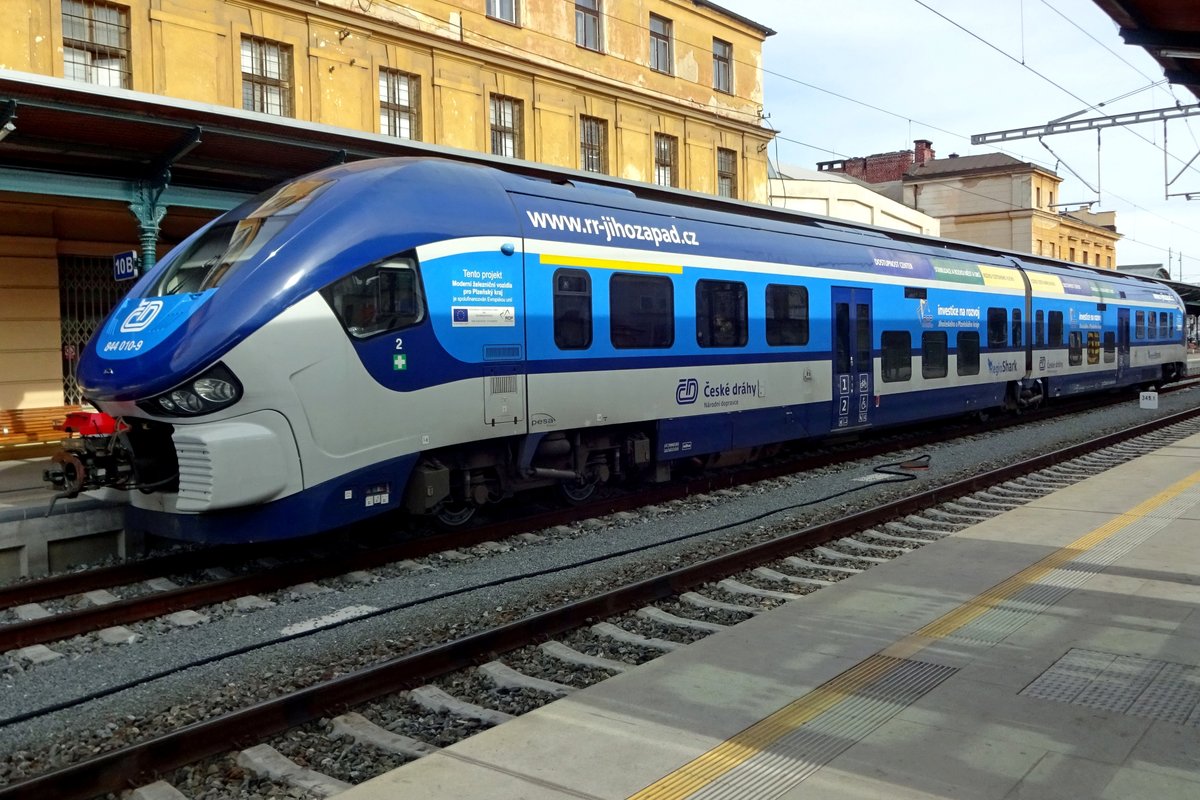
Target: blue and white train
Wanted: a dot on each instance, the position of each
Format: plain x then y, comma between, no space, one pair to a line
435,336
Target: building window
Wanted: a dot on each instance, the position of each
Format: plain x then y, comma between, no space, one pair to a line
1037,193
660,45
726,172
787,315
721,318
96,43
722,66
266,77
503,10
399,103
593,145
666,160
505,117
641,311
587,24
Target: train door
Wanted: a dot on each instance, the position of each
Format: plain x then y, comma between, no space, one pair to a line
853,365
1122,342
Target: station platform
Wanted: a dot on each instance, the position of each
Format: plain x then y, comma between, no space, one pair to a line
36,537
1050,652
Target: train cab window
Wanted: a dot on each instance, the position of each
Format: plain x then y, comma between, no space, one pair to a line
997,327
379,298
572,309
934,355
1093,347
1054,329
968,353
1140,325
897,356
1039,329
1110,347
1075,349
787,315
641,311
721,314
222,249
1016,327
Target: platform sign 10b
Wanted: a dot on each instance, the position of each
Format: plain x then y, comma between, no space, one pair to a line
125,265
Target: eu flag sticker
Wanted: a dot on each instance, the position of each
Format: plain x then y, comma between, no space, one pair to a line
460,315
400,361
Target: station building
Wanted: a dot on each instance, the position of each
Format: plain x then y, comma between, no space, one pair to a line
126,125
992,199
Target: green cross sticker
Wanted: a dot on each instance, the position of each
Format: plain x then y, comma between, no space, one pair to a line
400,361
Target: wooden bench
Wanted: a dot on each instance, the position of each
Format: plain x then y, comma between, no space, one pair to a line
30,432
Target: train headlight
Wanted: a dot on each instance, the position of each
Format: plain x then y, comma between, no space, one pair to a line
212,391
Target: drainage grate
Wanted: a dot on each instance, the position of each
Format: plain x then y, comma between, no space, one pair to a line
1142,687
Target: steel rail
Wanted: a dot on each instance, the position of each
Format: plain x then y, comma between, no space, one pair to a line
112,772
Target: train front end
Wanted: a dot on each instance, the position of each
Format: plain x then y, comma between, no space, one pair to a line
223,373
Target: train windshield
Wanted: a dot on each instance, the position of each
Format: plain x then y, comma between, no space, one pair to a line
227,245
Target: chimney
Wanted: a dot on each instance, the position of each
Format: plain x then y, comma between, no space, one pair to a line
924,151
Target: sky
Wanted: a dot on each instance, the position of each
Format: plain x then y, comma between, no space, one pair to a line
846,78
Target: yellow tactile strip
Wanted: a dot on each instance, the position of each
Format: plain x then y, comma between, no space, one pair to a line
693,778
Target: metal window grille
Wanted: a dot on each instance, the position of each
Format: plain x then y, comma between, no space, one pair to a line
726,172
660,45
593,144
87,292
506,127
666,159
502,9
266,77
399,104
722,65
96,43
587,24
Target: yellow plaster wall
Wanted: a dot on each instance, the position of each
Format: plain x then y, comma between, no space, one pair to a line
190,49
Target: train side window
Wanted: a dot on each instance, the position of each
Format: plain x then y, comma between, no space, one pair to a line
1054,329
934,355
641,311
1093,347
787,315
377,299
1110,347
1075,349
1039,329
1140,326
1163,330
572,309
968,353
841,338
1016,327
897,356
721,314
997,327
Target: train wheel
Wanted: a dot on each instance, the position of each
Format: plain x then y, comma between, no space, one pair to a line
576,492
455,516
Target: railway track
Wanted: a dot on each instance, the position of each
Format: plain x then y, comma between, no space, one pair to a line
664,609
235,572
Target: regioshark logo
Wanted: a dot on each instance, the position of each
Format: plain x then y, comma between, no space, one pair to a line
687,391
140,318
